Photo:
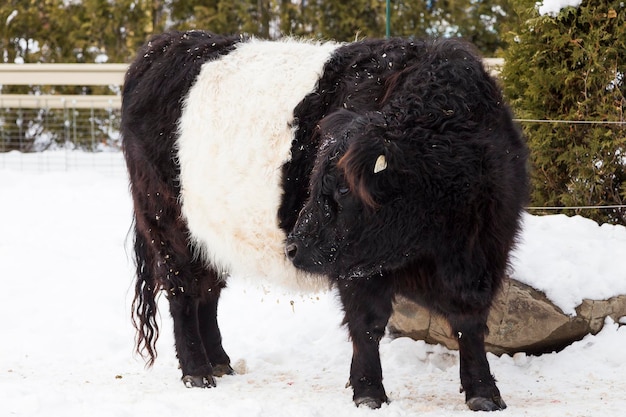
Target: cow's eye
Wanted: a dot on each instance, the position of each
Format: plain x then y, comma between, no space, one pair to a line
343,190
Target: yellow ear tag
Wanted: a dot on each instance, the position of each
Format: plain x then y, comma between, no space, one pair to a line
381,164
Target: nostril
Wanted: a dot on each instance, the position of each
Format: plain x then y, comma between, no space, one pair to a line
291,250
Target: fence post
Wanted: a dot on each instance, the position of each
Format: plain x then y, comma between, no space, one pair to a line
388,19
3,129
92,121
20,122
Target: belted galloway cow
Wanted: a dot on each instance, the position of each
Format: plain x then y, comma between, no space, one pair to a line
390,167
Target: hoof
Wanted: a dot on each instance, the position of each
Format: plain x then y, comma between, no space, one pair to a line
369,402
486,404
199,381
223,369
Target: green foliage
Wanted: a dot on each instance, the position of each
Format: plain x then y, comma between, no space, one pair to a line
572,67
346,21
73,31
223,16
478,21
82,30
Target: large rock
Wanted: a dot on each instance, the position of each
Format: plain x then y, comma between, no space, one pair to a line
522,319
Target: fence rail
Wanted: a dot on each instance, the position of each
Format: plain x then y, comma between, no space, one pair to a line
62,74
50,101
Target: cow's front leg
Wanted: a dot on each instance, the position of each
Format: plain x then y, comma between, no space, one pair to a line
368,305
481,392
194,363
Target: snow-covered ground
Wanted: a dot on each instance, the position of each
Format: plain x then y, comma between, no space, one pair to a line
66,340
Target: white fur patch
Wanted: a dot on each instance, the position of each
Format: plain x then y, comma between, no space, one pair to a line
234,138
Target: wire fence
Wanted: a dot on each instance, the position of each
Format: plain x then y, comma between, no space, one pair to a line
60,139
573,122
108,163
40,129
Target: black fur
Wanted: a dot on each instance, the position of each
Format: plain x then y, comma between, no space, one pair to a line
436,225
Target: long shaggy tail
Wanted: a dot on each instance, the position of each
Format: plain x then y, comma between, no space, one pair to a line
144,307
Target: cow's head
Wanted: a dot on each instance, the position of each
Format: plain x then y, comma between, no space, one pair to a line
356,219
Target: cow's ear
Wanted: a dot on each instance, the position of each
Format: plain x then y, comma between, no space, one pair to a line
363,166
366,155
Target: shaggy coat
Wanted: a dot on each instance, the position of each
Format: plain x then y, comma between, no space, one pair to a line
390,167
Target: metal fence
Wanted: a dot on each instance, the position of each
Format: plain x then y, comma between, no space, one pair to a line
36,130
110,163
52,124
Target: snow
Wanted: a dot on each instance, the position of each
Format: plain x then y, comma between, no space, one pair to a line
571,258
10,17
66,336
553,7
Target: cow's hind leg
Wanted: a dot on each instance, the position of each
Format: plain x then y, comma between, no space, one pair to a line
481,392
196,332
368,306
194,363
211,336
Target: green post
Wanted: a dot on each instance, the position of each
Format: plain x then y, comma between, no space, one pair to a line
387,19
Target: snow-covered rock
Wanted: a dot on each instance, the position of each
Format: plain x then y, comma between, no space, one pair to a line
522,319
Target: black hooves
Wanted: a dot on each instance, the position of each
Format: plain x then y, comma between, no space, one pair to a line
208,381
199,381
373,402
486,404
369,402
223,369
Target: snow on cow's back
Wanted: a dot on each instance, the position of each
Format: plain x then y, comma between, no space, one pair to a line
235,134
